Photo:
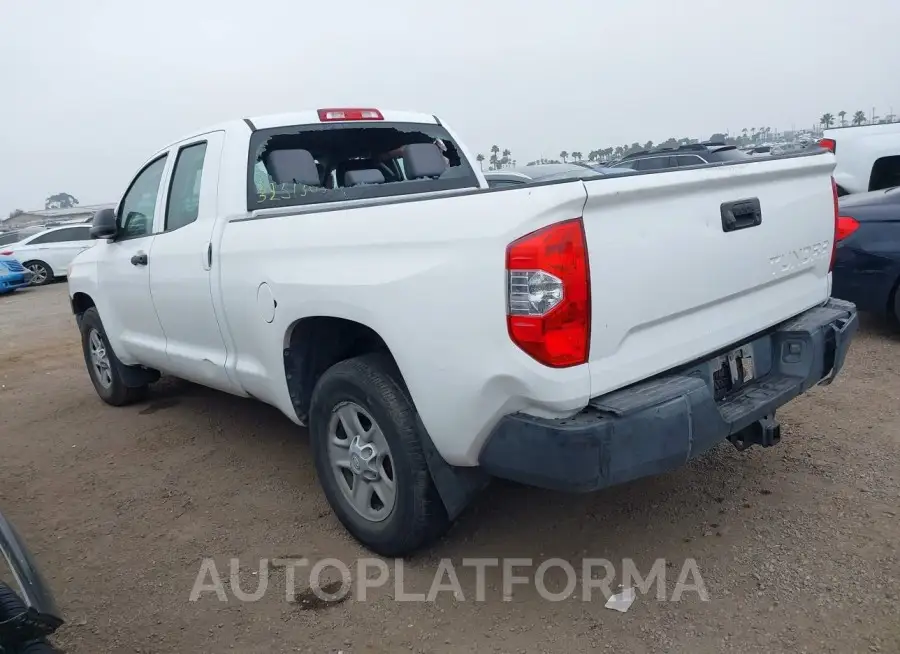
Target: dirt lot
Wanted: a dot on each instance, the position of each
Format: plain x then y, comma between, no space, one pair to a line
798,545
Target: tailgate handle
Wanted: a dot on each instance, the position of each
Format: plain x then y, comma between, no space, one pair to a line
741,214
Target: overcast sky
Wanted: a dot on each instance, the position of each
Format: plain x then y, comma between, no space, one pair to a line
90,88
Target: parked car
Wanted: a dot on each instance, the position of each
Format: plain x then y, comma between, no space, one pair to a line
867,263
47,254
545,173
28,611
345,267
868,156
7,238
682,156
13,275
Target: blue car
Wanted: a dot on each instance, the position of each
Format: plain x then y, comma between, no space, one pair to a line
13,275
867,258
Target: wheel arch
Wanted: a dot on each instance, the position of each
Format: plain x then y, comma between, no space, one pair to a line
81,302
314,344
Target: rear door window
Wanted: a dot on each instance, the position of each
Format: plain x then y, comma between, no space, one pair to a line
183,204
353,161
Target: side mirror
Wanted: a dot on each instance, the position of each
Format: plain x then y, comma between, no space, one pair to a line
104,224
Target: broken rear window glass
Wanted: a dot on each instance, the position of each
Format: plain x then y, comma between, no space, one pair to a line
336,162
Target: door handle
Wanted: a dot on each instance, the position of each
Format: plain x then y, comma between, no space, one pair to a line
140,259
741,214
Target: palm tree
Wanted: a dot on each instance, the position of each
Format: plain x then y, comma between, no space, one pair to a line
506,157
563,155
826,120
859,118
480,160
842,114
576,156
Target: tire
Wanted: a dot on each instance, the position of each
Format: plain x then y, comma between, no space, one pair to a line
372,383
894,307
110,387
42,272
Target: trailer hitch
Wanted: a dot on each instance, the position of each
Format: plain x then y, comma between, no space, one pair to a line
766,432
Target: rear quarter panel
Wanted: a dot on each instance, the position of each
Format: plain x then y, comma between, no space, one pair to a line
429,277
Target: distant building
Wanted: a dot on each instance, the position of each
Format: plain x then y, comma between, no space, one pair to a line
44,216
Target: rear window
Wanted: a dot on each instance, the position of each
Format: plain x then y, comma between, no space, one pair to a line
353,161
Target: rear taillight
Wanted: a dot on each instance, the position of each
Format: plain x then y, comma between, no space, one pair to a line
549,294
828,144
7,253
845,226
834,193
330,115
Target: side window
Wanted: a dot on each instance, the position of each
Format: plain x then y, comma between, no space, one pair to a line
656,163
139,203
49,237
502,183
183,204
630,165
689,160
71,234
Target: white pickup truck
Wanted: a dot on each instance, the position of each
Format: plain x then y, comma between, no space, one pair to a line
352,268
868,157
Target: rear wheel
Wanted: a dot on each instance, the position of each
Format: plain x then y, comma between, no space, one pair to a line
103,366
41,272
369,457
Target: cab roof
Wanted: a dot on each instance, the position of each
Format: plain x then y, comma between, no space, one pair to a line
305,117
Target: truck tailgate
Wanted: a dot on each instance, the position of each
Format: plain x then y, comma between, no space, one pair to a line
680,269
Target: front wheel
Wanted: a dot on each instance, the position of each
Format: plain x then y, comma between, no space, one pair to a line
40,271
369,457
102,364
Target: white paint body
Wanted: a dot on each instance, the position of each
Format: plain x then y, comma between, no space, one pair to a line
668,285
858,148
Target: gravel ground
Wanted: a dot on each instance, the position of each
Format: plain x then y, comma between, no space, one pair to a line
797,545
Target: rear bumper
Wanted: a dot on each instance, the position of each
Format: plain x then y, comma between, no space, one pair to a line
658,425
